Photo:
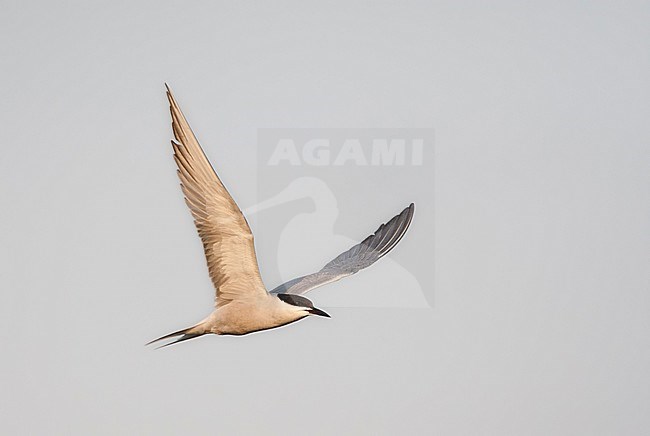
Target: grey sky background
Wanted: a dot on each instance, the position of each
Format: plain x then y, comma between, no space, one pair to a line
539,323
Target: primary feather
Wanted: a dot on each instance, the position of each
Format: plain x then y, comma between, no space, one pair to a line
361,256
226,236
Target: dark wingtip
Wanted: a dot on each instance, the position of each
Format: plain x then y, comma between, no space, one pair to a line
409,212
410,208
401,224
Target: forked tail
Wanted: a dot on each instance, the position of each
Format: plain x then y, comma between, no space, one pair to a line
185,334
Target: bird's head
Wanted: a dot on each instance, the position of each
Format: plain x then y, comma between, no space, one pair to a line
301,303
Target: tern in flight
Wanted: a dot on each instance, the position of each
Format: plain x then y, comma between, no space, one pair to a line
242,303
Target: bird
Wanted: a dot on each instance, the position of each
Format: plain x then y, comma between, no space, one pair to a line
243,304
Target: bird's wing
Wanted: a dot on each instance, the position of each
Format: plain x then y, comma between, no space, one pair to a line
361,256
226,236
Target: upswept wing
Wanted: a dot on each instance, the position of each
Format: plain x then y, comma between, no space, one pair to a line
361,256
226,236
